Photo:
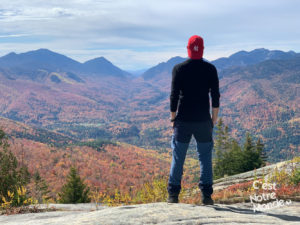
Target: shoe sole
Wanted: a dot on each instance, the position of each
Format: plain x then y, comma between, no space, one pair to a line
172,202
208,202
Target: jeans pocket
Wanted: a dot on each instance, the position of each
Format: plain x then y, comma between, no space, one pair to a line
172,142
174,123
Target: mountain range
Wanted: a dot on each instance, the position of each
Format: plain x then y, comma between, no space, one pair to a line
96,99
36,64
239,59
244,58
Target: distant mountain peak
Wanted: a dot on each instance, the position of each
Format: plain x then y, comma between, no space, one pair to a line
239,53
163,67
101,64
43,50
32,61
175,59
11,54
260,50
100,59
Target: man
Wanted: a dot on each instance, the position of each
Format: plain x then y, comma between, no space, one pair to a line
192,81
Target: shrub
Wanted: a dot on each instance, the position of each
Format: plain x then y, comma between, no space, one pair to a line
155,191
295,177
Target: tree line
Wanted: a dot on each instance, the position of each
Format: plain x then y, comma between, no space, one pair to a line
231,158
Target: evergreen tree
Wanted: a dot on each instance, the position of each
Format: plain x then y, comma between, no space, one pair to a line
232,159
219,154
247,152
40,188
222,147
235,158
252,157
219,139
12,176
74,191
261,151
226,138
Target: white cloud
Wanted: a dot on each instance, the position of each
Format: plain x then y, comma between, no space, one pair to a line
13,35
147,31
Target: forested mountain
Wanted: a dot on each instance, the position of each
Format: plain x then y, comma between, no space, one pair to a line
38,59
162,68
102,66
264,99
37,65
258,95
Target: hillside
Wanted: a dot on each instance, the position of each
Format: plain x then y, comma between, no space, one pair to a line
105,165
98,100
20,130
265,98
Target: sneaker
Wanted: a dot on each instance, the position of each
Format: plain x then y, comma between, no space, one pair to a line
173,199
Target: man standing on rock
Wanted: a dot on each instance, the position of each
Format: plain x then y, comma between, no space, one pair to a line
192,81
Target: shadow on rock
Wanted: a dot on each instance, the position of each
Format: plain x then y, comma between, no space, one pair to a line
250,211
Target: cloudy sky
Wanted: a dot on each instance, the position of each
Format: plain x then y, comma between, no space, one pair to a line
136,34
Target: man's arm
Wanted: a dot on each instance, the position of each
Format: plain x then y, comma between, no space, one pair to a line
215,95
174,96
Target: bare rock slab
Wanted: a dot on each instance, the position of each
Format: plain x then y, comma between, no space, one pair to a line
161,213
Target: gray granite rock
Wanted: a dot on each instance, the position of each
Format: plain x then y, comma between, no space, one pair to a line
266,171
164,213
160,213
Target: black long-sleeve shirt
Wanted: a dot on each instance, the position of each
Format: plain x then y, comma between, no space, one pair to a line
192,80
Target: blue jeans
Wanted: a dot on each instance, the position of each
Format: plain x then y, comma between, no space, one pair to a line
202,132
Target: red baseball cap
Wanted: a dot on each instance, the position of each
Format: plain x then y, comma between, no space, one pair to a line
195,47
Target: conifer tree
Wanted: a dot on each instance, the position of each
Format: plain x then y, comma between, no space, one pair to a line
226,138
41,188
261,151
12,176
219,140
74,191
252,157
222,147
219,153
235,158
247,152
232,159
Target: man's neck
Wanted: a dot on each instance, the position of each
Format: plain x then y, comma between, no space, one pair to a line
190,59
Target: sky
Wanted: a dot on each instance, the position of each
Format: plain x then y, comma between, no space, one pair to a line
136,34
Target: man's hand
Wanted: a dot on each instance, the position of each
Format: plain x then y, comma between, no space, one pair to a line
215,112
